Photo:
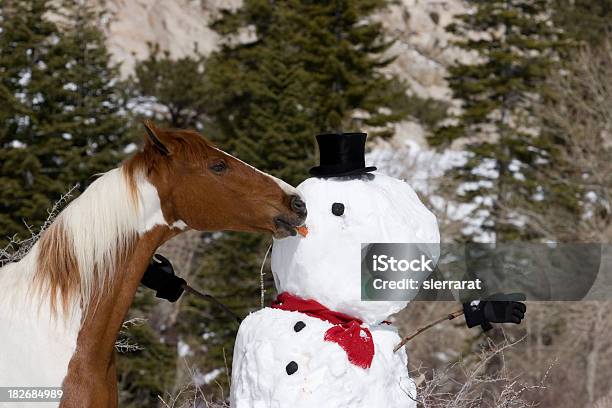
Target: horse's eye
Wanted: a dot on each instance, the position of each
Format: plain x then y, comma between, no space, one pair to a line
219,167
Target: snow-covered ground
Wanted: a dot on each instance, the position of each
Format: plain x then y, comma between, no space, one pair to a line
423,168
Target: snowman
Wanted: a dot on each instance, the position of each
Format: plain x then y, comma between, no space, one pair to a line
320,344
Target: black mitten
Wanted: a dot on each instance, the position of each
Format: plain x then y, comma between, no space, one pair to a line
160,277
498,308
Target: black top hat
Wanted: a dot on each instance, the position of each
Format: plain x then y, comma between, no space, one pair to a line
341,154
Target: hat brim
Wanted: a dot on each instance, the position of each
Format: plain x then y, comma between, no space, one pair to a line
324,171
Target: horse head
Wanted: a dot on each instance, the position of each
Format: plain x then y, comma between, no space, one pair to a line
207,189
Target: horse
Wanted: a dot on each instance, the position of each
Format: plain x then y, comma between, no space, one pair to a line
62,305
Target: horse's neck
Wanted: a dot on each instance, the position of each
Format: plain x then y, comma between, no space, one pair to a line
94,358
101,325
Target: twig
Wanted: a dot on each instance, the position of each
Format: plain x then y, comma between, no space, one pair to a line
124,345
229,380
17,248
261,277
420,330
212,299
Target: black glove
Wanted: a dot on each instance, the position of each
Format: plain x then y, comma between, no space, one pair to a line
497,308
160,277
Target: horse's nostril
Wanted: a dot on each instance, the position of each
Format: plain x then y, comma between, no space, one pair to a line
298,205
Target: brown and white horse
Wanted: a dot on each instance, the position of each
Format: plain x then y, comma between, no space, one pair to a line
62,305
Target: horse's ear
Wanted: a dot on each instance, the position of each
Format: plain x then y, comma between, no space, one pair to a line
154,139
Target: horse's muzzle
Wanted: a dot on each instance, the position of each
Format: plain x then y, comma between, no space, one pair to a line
287,226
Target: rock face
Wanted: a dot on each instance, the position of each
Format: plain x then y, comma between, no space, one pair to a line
423,50
179,26
423,47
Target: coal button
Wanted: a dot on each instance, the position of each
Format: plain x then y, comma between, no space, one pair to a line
291,368
299,326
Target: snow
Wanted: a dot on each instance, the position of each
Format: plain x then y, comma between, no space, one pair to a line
591,196
70,86
38,99
130,148
211,376
424,168
24,78
267,343
418,164
326,264
487,168
17,144
183,349
21,97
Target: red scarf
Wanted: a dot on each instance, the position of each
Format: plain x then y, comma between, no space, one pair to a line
347,331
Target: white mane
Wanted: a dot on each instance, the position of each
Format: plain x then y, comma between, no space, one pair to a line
98,228
100,224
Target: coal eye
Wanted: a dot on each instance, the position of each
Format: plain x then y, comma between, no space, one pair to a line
219,167
337,209
291,368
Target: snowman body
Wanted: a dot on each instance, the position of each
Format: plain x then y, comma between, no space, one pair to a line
276,365
282,361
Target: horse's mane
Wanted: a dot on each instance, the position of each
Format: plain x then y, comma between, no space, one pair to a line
80,252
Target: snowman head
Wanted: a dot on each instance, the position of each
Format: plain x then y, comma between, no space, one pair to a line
343,213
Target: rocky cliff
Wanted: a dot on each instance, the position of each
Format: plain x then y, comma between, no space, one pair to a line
423,48
181,26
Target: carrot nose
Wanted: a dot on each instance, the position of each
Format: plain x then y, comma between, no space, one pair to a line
303,230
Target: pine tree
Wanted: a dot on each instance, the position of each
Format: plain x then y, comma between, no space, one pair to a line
179,85
24,49
587,21
94,119
311,63
61,108
515,45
